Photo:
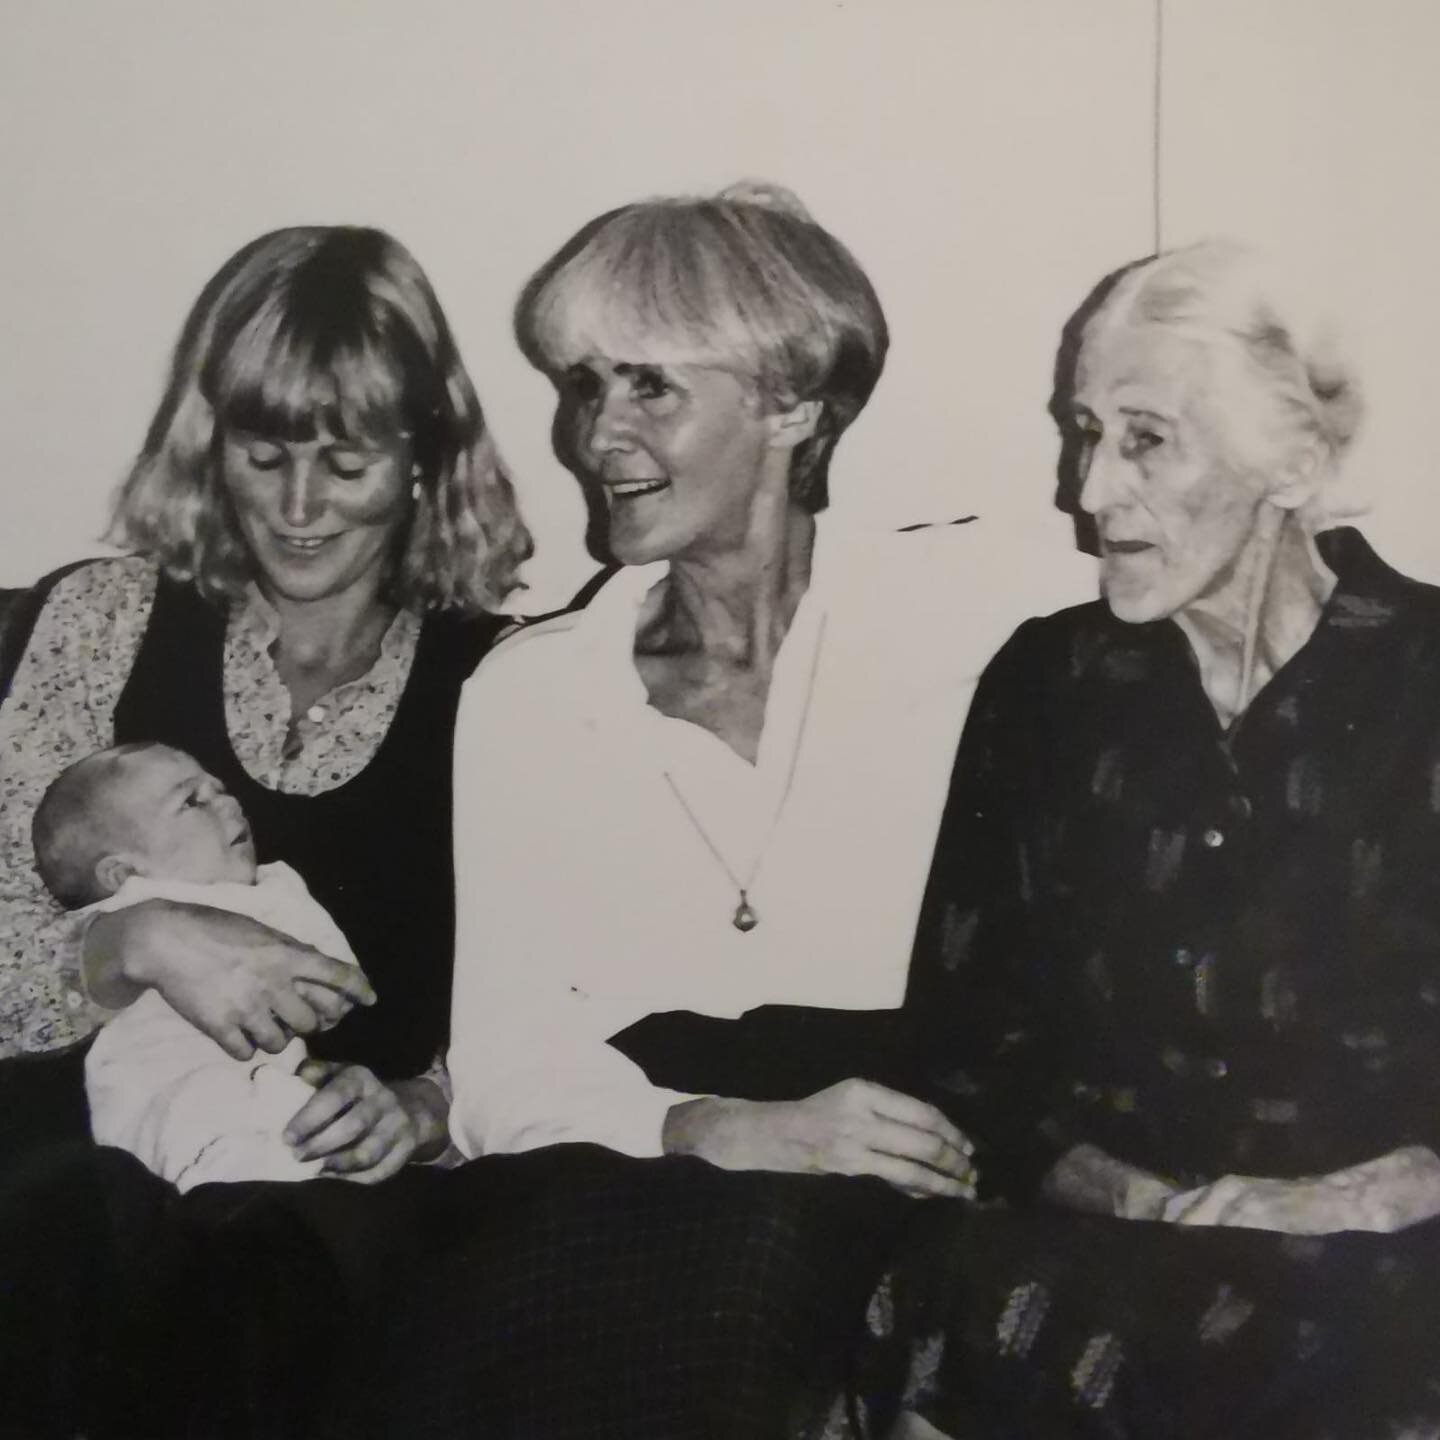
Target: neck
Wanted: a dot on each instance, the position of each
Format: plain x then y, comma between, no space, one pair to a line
1267,608
736,605
334,634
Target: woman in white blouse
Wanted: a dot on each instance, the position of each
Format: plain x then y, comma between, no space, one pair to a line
714,788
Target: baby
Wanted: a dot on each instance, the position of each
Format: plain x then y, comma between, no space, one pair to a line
143,821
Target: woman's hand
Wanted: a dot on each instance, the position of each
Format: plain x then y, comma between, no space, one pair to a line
853,1128
1387,1194
1086,1178
245,985
361,1128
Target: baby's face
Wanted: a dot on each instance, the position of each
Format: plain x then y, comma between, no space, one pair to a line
180,822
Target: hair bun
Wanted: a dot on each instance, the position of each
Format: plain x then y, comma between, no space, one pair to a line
766,195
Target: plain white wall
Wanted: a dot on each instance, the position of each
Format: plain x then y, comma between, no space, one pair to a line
1313,128
986,160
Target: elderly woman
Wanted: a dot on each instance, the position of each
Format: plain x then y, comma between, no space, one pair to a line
1181,948
693,819
317,529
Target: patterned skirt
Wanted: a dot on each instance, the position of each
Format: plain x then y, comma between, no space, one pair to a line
1043,1324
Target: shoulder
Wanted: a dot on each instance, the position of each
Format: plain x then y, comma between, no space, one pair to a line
459,642
83,622
535,651
528,683
108,586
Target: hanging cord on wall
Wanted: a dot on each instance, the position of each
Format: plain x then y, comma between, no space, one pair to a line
1156,131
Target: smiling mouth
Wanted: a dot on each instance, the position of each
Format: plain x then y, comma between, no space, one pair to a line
303,544
634,489
243,838
1126,547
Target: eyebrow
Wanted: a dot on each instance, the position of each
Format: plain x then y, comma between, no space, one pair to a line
172,791
1143,412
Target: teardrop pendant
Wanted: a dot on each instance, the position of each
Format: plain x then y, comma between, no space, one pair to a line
744,918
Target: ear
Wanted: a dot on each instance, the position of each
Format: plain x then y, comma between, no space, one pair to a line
112,871
795,425
1301,474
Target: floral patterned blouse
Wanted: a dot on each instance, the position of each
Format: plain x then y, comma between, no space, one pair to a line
61,707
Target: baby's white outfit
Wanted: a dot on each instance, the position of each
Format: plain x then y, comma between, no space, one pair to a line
168,1094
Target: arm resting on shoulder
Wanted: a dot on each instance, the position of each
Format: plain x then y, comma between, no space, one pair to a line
245,985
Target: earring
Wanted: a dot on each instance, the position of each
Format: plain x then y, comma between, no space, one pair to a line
415,491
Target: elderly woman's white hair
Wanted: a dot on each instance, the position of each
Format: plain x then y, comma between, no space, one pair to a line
1221,292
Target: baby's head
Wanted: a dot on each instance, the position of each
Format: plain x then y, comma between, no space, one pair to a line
138,810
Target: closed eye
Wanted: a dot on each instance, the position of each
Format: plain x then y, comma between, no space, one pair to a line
348,464
262,455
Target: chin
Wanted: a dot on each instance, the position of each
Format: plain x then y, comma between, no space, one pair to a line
643,547
1135,606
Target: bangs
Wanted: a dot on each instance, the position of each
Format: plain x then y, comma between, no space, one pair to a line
291,375
651,290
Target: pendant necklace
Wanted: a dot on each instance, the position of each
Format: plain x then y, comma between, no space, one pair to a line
745,918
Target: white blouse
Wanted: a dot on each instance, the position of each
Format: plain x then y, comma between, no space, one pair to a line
588,897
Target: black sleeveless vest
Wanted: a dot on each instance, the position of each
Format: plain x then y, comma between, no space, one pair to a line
375,851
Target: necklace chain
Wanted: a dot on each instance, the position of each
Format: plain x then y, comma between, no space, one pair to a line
745,919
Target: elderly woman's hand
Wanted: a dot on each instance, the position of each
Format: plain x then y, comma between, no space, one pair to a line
362,1128
1086,1178
1386,1194
853,1128
245,985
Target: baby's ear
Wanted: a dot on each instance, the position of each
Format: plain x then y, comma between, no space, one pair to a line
112,871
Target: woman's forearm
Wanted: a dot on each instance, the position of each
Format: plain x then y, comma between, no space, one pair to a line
103,958
1086,1178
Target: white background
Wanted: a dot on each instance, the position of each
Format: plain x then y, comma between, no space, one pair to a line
987,160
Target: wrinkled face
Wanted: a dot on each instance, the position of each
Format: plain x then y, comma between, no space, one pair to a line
175,821
320,516
1173,436
682,453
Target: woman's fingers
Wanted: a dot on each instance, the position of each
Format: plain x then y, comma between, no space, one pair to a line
376,1155
341,1133
916,1179
346,984
918,1114
353,1122
929,1148
266,1033
234,1042
339,1091
292,1011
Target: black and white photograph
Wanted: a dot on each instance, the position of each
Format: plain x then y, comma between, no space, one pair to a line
719,720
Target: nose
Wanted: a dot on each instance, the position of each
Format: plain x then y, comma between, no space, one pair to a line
611,425
1105,483
302,498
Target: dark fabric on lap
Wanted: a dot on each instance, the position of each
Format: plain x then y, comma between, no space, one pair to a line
1002,1323
42,1101
599,1296
374,851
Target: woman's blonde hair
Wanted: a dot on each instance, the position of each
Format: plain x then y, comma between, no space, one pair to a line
332,327
745,279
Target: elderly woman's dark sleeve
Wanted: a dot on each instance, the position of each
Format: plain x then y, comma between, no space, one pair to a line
989,1051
